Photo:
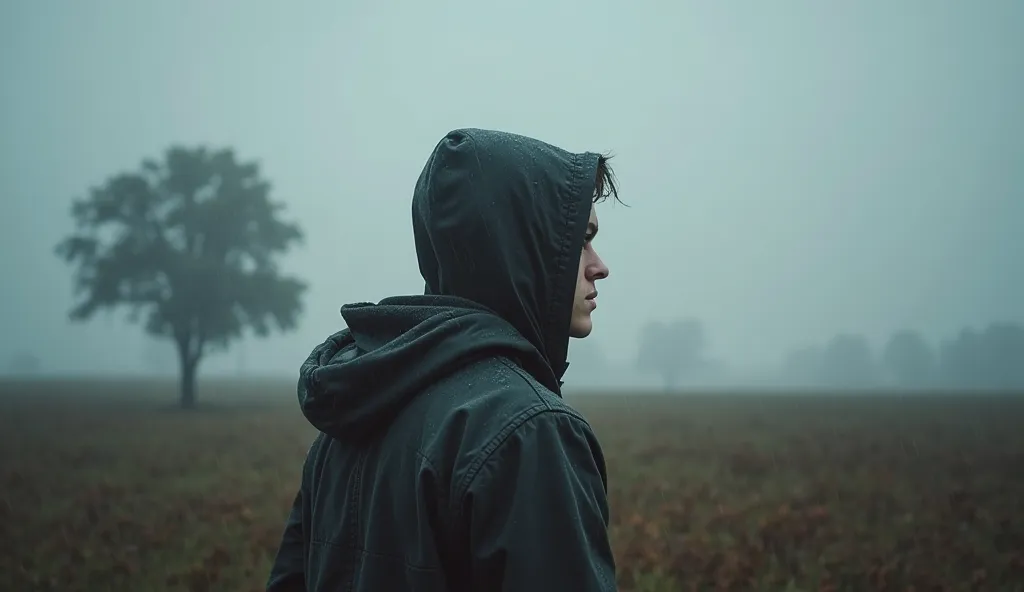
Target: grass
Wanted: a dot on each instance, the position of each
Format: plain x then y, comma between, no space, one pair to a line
104,486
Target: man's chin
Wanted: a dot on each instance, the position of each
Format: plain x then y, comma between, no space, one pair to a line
581,329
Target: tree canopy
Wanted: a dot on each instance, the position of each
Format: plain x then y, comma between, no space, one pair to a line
189,245
673,349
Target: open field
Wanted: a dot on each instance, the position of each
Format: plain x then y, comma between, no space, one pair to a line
103,486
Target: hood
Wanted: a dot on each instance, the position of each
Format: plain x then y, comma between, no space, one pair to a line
499,222
354,384
500,219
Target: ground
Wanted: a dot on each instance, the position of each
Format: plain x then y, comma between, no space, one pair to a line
105,486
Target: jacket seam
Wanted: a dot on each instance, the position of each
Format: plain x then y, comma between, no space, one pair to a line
562,407
503,435
492,445
496,443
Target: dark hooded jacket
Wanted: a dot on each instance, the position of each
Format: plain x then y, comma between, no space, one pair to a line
447,458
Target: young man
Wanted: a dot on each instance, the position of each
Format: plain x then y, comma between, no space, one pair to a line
447,459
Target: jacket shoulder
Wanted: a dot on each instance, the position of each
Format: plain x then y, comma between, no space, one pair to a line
464,418
486,399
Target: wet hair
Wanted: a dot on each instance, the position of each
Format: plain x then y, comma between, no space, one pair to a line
604,185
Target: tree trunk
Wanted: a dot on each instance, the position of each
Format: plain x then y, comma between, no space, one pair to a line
188,383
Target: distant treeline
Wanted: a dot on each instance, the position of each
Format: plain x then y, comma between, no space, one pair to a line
989,358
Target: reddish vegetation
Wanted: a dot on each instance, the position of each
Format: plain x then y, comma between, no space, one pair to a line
730,493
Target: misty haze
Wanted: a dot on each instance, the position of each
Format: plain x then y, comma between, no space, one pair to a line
807,365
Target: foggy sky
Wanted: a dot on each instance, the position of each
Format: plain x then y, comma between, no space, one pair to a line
792,172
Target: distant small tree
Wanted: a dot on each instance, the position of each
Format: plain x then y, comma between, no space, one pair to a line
908,359
190,243
674,349
847,361
960,363
989,358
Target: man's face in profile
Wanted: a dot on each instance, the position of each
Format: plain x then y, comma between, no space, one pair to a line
591,269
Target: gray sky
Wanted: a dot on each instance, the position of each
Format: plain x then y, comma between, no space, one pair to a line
794,168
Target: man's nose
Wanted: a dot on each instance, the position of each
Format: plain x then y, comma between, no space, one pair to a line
599,270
